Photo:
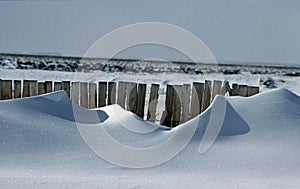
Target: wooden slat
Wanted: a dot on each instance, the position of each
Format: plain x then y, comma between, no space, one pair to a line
226,88
17,89
75,92
66,87
186,92
0,89
166,118
141,100
243,90
121,94
6,89
196,99
41,88
57,86
33,88
92,95
111,93
102,94
235,89
131,96
176,105
84,94
153,100
252,90
216,88
26,88
49,87
206,95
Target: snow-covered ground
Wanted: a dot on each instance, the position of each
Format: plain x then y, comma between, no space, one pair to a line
41,143
41,146
287,82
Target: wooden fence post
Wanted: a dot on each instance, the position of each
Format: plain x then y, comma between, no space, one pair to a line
131,96
196,99
216,88
0,89
141,100
102,88
186,93
48,86
17,89
243,90
92,95
166,118
252,90
226,88
121,94
57,86
83,94
235,89
6,89
66,87
111,93
26,88
207,95
41,88
33,88
153,100
176,105
75,92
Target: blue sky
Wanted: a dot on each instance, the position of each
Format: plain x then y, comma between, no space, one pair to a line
238,30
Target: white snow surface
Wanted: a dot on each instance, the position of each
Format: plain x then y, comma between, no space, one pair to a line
258,146
286,82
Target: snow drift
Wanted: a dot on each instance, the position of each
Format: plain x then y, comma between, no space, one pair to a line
258,145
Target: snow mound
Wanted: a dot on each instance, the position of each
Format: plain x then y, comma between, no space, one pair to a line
256,146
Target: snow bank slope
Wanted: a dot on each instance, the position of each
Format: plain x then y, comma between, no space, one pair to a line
40,145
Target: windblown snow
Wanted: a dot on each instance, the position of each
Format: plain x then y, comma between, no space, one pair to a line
257,147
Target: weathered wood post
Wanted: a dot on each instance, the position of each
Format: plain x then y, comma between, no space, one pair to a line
57,86
196,99
226,88
92,95
243,90
102,88
17,89
252,90
207,95
176,105
166,118
131,96
84,94
33,88
49,88
26,88
41,88
66,87
6,89
186,93
153,100
0,89
216,88
121,94
141,100
75,92
235,89
111,93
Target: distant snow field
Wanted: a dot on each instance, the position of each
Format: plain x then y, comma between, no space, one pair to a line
287,82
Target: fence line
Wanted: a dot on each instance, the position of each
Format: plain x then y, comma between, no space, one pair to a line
181,103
